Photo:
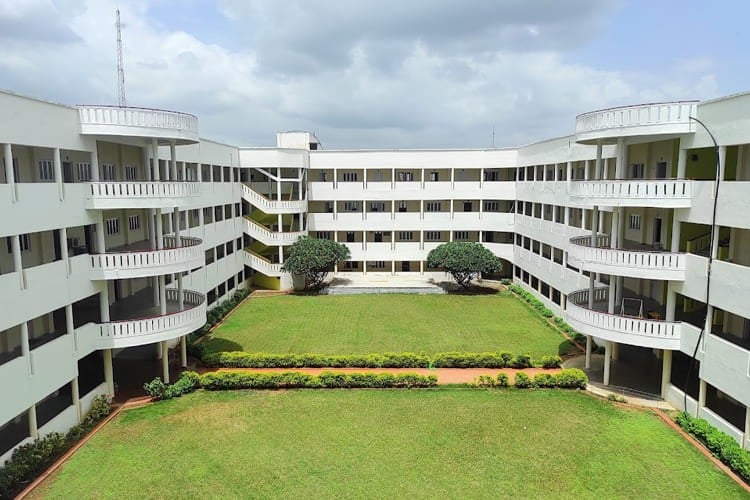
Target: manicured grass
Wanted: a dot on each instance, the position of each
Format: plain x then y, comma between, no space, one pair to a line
362,324
437,443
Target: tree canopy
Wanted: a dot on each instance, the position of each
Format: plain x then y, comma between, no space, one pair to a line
464,260
314,258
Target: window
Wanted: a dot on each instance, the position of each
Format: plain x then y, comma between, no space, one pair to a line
377,206
84,171
405,235
351,206
323,235
434,176
635,222
432,206
406,176
350,176
108,172
349,264
230,247
134,222
207,215
491,206
323,176
350,237
402,206
131,173
113,226
23,239
377,264
432,235
636,170
329,207
492,175
461,235
46,170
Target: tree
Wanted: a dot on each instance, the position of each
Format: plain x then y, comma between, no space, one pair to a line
314,258
464,260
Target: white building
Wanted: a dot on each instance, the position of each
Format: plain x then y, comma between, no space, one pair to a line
122,227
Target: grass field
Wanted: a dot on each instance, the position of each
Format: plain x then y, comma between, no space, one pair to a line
441,443
361,324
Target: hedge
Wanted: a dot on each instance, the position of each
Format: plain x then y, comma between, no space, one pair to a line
239,359
722,445
30,459
569,378
489,381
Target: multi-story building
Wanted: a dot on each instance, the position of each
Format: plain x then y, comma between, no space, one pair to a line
122,227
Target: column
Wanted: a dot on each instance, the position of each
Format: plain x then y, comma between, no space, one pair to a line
607,361
155,155
199,173
69,327
25,345
165,362
104,303
183,351
671,302
746,435
666,371
588,352
15,244
33,430
722,161
76,398
64,249
568,178
681,163
10,176
172,161
598,163
184,171
57,166
701,397
109,377
94,163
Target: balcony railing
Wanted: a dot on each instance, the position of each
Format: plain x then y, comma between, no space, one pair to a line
117,120
261,264
272,206
268,237
622,262
667,115
147,194
131,332
667,193
149,262
619,328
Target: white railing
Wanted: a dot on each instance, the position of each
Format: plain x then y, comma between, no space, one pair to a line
699,244
268,237
633,189
150,259
137,117
142,190
272,206
166,326
262,264
636,116
620,261
619,328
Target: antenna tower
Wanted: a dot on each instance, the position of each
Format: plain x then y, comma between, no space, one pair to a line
120,67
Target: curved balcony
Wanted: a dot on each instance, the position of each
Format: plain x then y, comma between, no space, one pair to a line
657,193
142,194
138,122
135,261
272,206
268,237
641,119
618,328
147,329
654,265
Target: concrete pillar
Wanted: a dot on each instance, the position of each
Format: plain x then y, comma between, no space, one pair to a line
588,352
69,326
33,429
76,397
101,246
159,230
57,167
607,361
611,295
104,303
746,435
183,351
199,173
25,348
94,163
586,173
701,397
615,351
598,164
180,293
666,371
671,302
568,179
64,249
172,161
620,158
155,159
15,247
681,163
722,162
162,296
165,362
109,377
10,176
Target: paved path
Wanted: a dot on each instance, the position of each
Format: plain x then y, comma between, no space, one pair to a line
444,375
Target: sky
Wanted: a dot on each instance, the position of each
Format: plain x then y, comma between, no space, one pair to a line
378,74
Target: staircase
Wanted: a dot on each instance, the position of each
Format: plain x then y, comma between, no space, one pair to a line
270,238
261,264
272,206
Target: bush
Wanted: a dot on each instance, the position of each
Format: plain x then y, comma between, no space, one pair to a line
570,378
156,389
723,446
522,361
545,380
217,381
523,381
551,361
484,381
502,380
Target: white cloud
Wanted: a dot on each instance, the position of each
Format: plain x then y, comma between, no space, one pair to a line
396,74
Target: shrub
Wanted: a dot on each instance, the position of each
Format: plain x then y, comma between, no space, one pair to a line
522,361
723,446
484,381
571,378
502,380
551,361
242,380
545,380
523,381
156,389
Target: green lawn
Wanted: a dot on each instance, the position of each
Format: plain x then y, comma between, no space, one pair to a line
361,324
441,443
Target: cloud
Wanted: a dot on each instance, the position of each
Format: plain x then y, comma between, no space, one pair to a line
391,74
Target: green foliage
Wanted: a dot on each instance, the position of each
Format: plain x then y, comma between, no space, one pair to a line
187,383
523,381
464,260
216,381
502,380
723,446
570,378
502,359
156,389
31,459
551,361
314,258
489,381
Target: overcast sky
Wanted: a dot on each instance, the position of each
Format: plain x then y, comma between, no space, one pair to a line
378,74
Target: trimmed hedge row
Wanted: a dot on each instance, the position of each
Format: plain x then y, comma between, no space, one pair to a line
31,459
722,445
569,378
239,359
220,381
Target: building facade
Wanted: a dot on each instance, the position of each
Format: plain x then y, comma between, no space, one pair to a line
122,227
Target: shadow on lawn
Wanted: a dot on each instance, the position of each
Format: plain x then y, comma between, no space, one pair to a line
217,344
456,289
